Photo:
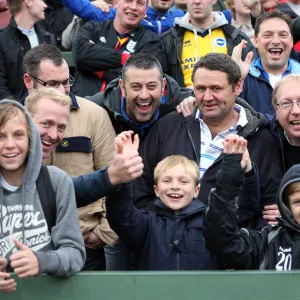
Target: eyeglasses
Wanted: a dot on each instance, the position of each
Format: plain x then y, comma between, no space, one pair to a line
53,83
288,104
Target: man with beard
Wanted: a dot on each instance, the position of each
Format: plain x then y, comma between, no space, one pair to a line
142,95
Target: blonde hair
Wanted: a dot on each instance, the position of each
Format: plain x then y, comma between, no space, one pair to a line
288,78
230,5
8,111
48,93
174,160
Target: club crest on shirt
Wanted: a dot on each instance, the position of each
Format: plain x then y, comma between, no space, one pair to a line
130,46
220,42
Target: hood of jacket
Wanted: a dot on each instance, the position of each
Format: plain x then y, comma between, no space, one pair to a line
287,219
35,155
256,72
184,22
256,120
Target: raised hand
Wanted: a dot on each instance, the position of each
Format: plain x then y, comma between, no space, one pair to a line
7,284
101,5
24,262
127,164
234,144
237,57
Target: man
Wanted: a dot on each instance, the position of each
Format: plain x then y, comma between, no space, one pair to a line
158,18
199,32
16,39
87,144
217,82
285,124
29,246
101,49
141,96
274,42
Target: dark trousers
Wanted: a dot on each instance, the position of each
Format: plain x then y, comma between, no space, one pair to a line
95,260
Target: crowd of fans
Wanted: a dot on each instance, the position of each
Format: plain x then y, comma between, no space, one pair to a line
177,139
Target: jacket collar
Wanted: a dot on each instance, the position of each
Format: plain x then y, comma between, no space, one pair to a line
256,68
255,121
74,103
194,207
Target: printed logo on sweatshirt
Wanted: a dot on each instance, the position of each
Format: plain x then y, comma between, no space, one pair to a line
103,39
19,221
221,42
285,259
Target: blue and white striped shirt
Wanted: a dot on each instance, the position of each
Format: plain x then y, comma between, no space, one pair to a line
211,149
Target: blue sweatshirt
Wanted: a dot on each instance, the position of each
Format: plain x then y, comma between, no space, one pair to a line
154,21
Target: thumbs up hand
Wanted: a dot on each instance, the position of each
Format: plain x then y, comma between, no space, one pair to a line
24,262
127,164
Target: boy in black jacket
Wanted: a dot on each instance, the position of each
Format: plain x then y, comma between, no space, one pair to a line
170,237
274,247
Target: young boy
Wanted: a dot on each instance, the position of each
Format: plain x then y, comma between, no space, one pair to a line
27,245
274,247
170,236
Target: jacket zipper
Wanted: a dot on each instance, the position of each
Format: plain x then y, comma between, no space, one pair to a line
281,150
179,60
193,145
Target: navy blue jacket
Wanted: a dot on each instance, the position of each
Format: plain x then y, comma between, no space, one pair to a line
92,186
162,239
257,90
290,155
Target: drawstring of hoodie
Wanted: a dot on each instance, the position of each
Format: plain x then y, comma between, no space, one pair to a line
196,43
1,214
23,217
211,41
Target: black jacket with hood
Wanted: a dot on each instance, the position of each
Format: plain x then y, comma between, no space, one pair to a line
290,154
102,56
13,46
274,247
110,100
176,135
173,41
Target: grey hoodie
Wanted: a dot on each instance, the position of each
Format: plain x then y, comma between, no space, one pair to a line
61,253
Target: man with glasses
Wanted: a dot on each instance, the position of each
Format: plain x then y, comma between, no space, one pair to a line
286,122
88,142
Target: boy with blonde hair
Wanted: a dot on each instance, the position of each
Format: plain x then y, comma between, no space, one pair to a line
274,247
170,236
